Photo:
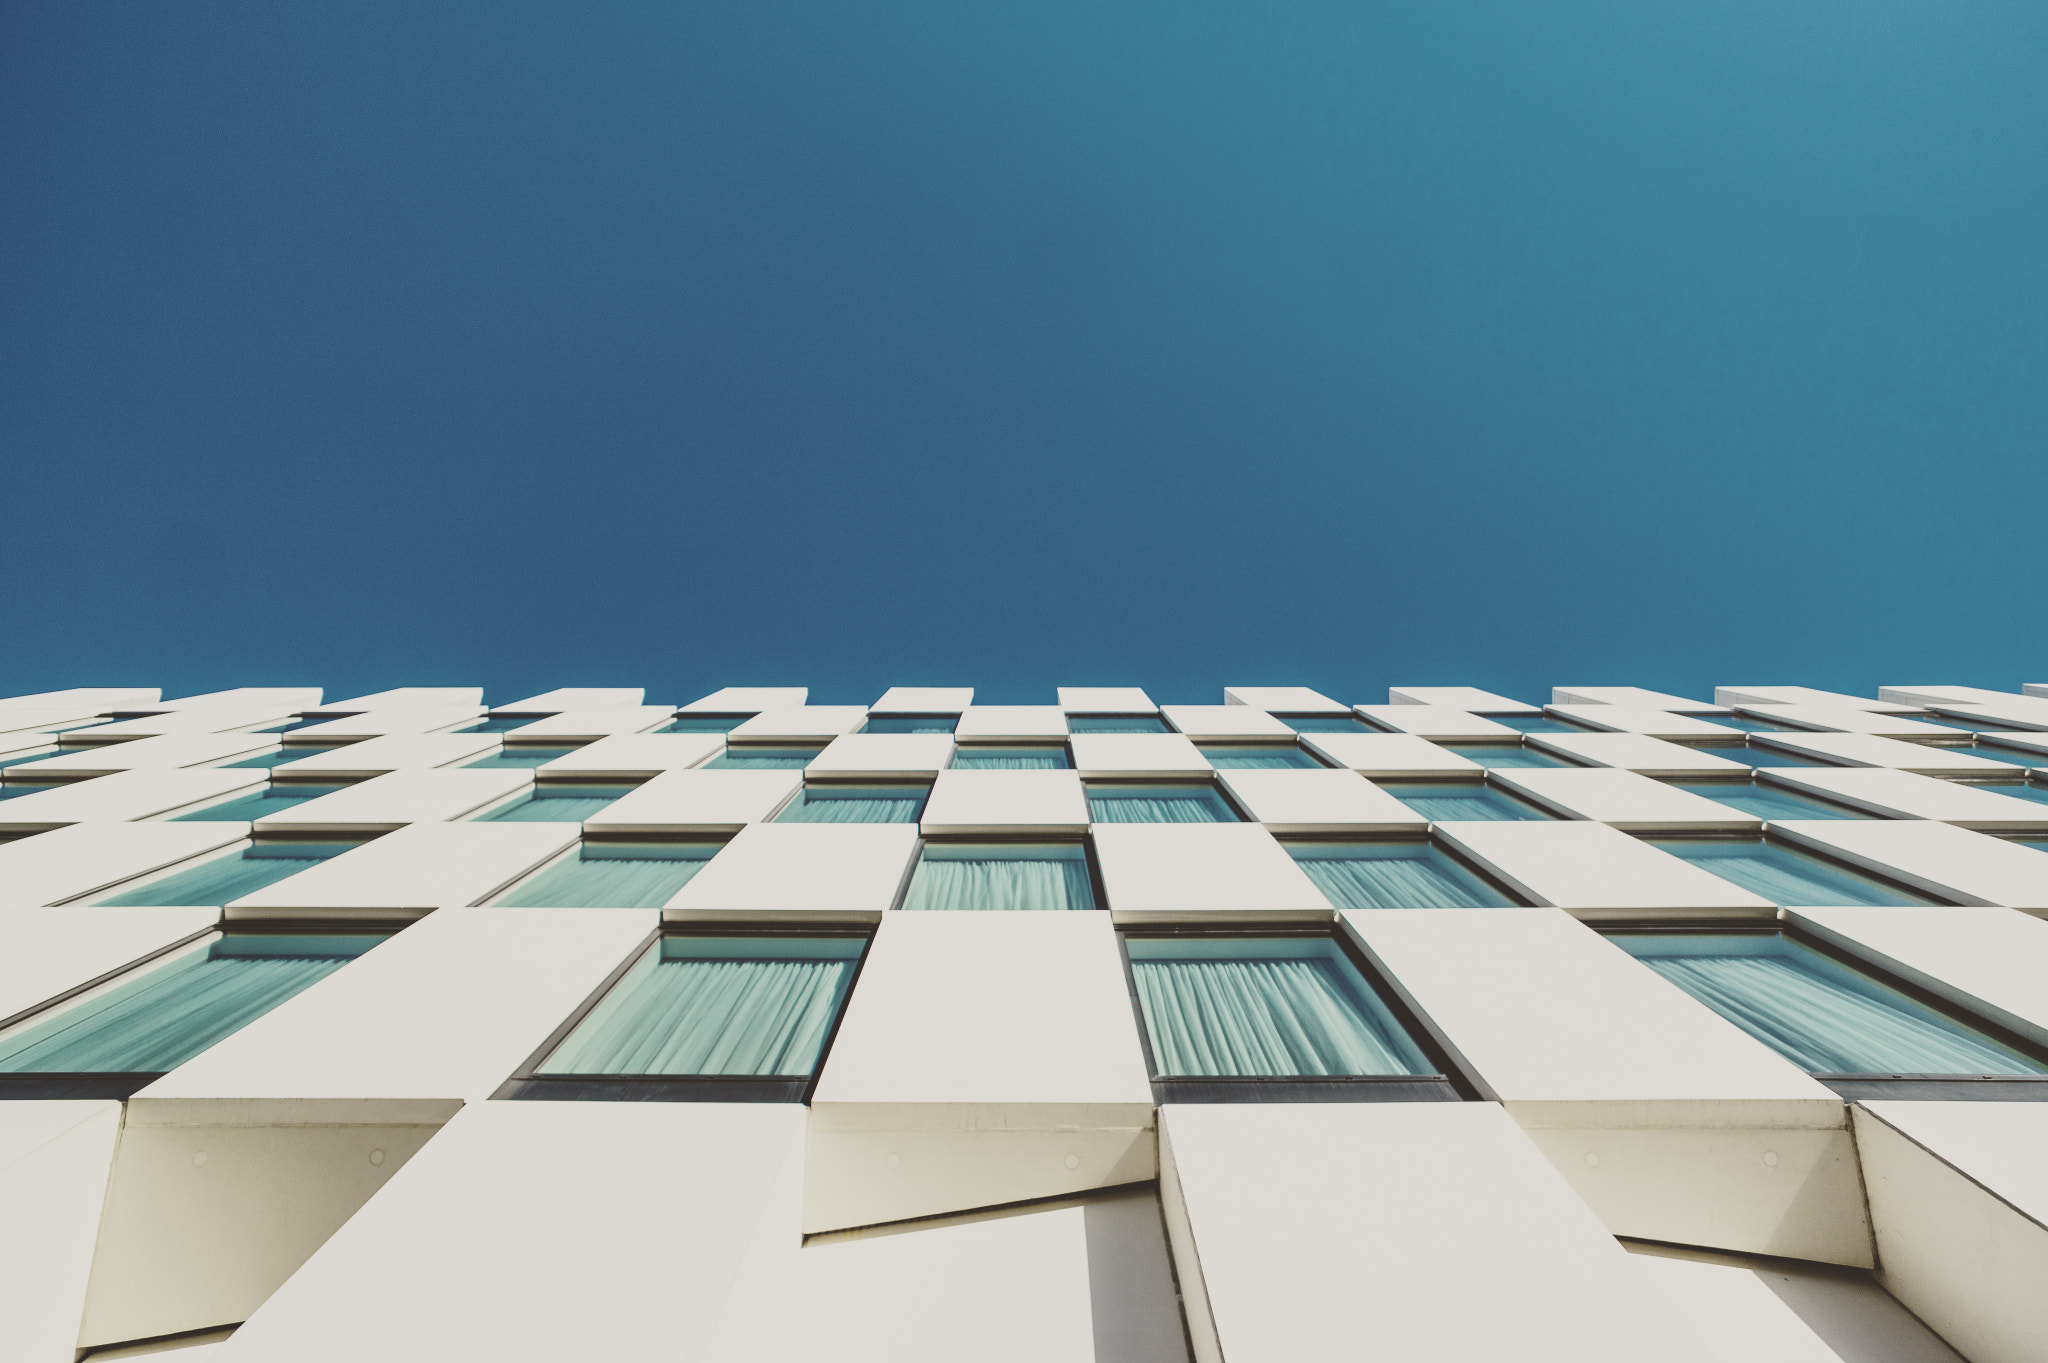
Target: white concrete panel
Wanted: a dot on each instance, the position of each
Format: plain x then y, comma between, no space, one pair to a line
2025,712
12,745
1873,750
206,719
1940,858
1803,695
22,719
54,1160
1011,723
2036,689
803,871
884,756
628,757
193,1348
84,858
1598,872
1302,801
1198,872
1991,961
1838,720
2026,749
1156,756
98,699
506,1240
126,795
448,1008
1435,721
1035,1086
1106,700
1292,700
923,700
1638,753
698,802
432,795
1633,696
416,719
565,698
1390,755
406,698
1470,699
289,699
801,723
399,752
410,872
172,750
748,700
995,802
1907,795
1225,722
1425,1232
47,952
1698,1134
588,723
1959,1200
1944,695
1631,719
1623,799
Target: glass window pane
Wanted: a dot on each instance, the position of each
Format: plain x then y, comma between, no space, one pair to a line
1158,804
521,755
1326,724
272,799
283,755
552,803
703,724
1042,757
1770,802
957,876
1818,1013
1754,757
1449,800
1507,755
1785,876
716,1005
1538,724
1746,724
1117,724
1264,1007
1242,756
763,759
226,879
855,804
612,875
497,724
170,1013
1393,875
14,759
910,724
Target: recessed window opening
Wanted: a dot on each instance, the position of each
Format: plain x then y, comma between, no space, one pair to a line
15,789
819,802
1767,801
286,726
1746,724
1823,1014
910,724
283,755
1001,877
559,802
1409,874
612,875
1444,801
524,755
1117,724
1258,756
1756,756
221,880
1012,757
112,1041
15,759
1326,724
1975,726
2018,790
1786,875
497,724
1146,802
274,798
1507,755
703,724
1541,724
763,758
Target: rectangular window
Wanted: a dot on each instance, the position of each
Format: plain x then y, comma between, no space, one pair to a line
753,1011
855,804
1443,801
1134,803
612,875
1257,756
1769,802
558,802
1821,1014
497,724
1001,876
1506,755
1326,724
763,759
274,798
1393,875
1784,875
523,755
1036,757
1255,1010
110,1042
703,724
1116,724
15,790
225,879
284,755
910,724
1754,757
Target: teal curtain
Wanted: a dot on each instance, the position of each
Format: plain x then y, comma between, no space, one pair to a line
1299,1012
911,724
855,804
763,759
729,1006
273,799
1786,877
1819,1014
1258,759
1116,724
1158,804
226,879
612,876
170,1013
15,759
1448,801
557,804
1009,878
1393,876
1046,758
520,755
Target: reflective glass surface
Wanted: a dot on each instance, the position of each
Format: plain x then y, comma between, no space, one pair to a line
1257,756
272,799
1326,724
911,724
1001,877
1158,804
1507,755
550,802
1117,724
1754,757
855,804
1450,800
1038,757
1393,875
703,724
612,875
1770,802
1786,876
762,759
227,878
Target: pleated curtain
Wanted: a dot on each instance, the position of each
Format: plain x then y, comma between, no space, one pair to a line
1012,759
1449,804
1389,883
1259,1018
608,882
996,883
218,882
1784,877
730,1017
1202,808
811,808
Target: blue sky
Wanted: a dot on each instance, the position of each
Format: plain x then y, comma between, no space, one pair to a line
1015,345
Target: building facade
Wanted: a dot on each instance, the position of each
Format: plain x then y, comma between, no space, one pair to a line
1624,1027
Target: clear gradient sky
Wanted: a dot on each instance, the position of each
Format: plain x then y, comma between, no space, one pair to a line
1175,344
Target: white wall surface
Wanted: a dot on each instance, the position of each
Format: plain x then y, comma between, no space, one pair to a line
1467,698
172,750
1302,801
1623,799
410,872
1157,756
399,752
1635,752
289,699
1435,721
406,697
1646,720
1949,862
1908,795
84,858
1874,750
923,700
1598,871
1803,695
993,801
127,795
1016,723
586,724
429,795
1943,695
54,1160
1389,755
1106,700
1225,722
205,719
802,871
1341,1230
748,700
567,698
1633,696
45,952
723,801
411,719
884,756
1841,720
1293,700
1200,872
635,756
800,724
16,719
